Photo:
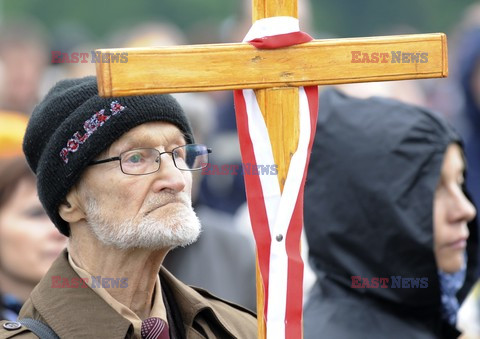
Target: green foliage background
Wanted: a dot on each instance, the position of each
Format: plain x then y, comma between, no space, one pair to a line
344,18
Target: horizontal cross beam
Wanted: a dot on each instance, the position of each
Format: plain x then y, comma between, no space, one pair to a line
197,68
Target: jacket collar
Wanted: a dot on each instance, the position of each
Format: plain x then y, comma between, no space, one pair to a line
192,301
69,311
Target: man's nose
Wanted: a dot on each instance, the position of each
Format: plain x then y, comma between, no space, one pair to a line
168,176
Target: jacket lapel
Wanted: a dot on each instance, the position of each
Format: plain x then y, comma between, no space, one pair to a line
192,302
70,311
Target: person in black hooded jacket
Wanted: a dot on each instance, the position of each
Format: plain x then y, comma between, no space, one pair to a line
387,222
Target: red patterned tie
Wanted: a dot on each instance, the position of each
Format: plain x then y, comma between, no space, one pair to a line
154,328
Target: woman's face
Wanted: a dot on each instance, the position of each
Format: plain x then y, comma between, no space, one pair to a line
451,213
29,242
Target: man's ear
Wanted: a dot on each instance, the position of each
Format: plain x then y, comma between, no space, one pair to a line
70,209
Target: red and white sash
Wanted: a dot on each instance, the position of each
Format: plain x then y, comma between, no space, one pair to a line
277,218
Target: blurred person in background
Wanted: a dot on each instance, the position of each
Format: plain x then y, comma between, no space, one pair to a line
392,235
29,242
458,97
469,80
23,59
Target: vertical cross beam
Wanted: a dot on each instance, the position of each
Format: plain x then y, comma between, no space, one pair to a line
279,107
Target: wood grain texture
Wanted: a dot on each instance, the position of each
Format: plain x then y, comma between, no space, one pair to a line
267,8
280,108
233,66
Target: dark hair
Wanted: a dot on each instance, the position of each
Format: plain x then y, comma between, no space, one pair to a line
12,171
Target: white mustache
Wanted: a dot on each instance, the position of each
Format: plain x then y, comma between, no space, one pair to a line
159,200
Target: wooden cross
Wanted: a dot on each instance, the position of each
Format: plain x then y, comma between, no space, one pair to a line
274,74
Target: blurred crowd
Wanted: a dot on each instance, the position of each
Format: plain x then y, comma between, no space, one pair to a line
29,242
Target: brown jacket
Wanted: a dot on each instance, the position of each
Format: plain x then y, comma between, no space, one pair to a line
81,313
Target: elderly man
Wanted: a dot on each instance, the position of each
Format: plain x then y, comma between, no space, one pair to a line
115,176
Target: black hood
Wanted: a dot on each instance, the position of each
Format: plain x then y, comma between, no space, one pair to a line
369,197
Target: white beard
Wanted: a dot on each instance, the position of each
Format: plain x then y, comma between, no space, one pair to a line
180,227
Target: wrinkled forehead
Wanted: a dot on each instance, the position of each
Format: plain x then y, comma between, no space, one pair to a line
151,134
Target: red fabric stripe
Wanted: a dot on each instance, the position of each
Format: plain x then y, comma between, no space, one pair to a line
293,316
255,199
256,204
281,40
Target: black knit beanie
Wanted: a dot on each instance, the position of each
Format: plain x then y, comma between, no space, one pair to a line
73,125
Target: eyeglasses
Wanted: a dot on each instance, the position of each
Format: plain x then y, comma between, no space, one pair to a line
141,161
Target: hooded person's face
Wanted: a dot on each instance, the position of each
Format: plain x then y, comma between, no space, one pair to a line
451,213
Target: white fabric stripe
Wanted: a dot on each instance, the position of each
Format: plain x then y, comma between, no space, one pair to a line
271,191
277,289
272,26
278,277
297,167
263,156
